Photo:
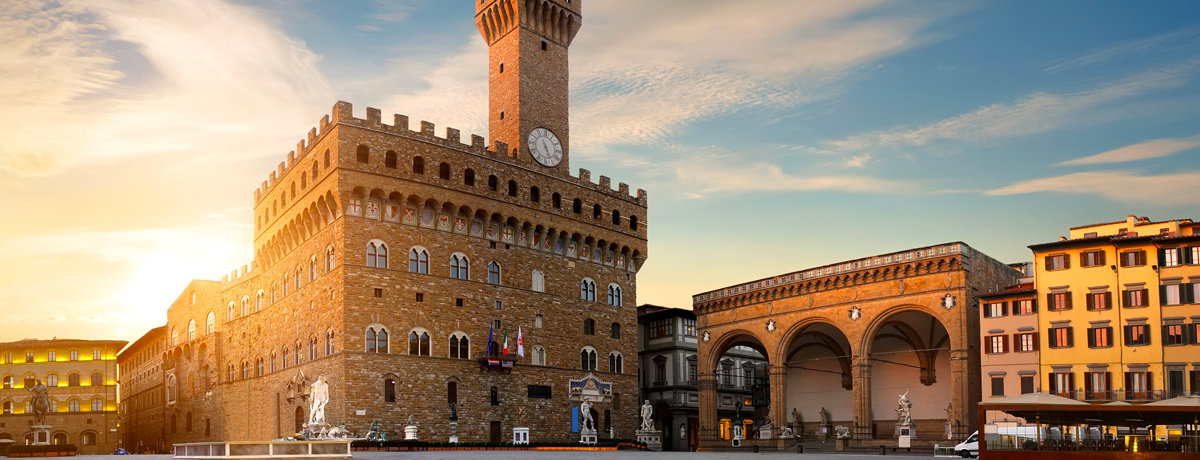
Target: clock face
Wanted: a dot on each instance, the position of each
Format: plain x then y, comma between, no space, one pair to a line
545,147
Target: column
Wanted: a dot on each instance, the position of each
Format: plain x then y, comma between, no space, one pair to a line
964,395
779,406
709,428
862,398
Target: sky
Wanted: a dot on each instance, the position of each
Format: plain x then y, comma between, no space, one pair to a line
770,135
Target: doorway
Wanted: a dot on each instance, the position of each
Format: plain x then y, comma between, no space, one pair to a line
693,436
299,419
495,436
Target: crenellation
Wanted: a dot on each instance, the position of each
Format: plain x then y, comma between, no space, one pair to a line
343,112
324,124
427,128
501,148
623,189
454,136
273,178
585,176
477,142
400,122
605,184
374,117
641,197
312,137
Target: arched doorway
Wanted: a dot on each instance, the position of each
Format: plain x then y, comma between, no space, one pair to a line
909,354
735,389
818,358
300,419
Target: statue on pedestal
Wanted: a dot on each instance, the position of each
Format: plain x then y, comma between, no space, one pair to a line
585,416
647,411
320,397
905,410
40,402
824,416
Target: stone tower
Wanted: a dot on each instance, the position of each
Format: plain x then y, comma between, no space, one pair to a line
528,85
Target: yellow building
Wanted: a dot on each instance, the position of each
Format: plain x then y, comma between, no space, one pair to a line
1120,310
81,376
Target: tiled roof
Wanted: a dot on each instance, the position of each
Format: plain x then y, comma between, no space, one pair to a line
1017,289
54,342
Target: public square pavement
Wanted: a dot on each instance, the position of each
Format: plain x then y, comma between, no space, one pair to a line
591,455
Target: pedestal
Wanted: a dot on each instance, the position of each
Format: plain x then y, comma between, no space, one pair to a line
823,432
906,429
41,435
737,435
949,431
587,436
652,439
520,435
410,433
764,433
453,432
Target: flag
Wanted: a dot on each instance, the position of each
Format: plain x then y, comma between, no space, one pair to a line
489,339
520,343
505,340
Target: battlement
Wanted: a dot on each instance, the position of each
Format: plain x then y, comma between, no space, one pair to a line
343,114
236,276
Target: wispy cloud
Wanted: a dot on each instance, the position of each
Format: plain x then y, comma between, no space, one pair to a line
1035,113
1176,40
1121,186
1150,149
724,173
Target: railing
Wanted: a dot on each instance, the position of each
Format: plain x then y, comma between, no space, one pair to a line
1120,395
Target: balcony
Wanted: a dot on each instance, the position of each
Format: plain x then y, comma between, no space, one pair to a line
1117,395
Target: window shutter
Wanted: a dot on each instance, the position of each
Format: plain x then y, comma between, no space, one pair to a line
1091,333
1147,329
1047,263
1162,294
1141,257
1108,300
1033,302
1100,258
1110,335
1185,255
1128,333
1149,381
1006,341
1145,297
987,311
1090,300
1068,296
1004,309
1185,293
1166,333
1053,384
987,344
1050,302
1070,381
1087,383
1108,381
1066,261
1071,338
1036,343
1162,256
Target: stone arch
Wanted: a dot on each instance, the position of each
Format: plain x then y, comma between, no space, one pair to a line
730,339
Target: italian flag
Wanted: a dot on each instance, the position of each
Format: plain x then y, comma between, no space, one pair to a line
505,340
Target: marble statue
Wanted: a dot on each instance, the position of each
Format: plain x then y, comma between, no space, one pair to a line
40,402
785,431
412,420
824,416
905,409
585,416
320,397
767,422
338,432
647,411
796,416
842,432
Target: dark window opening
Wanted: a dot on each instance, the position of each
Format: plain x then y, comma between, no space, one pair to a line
444,171
577,206
616,217
501,115
633,224
458,302
364,154
1026,384
535,195
452,392
389,159
596,211
556,200
420,297
378,292
469,177
418,165
495,396
543,45
501,67
493,183
389,390
512,188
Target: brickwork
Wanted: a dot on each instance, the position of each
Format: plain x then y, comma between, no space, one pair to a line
81,380
143,393
334,228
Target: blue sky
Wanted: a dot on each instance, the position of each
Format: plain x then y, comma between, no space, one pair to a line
771,136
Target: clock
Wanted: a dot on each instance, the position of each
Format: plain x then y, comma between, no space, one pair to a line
545,147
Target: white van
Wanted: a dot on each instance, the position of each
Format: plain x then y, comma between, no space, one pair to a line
968,448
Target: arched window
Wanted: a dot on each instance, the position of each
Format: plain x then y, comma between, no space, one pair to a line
312,268
616,331
616,363
577,206
377,340
8,382
8,407
614,295
616,217
376,255
469,177
587,359
246,370
314,172
539,281
191,331
73,379
389,160
303,180
389,390
459,267
512,188
537,320
274,359
494,273
596,211
174,341
633,222
493,183
589,326
88,438
286,354
246,305
418,260
73,405
328,343
364,154
460,346
171,389
587,290
418,165
60,439
418,343
285,284
539,355
451,392
97,379
52,380
299,280
444,171
329,259
312,348
258,367
259,300
556,200
274,292
326,158
535,195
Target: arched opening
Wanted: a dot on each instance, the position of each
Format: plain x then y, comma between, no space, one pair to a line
535,195
300,419
469,177
418,166
819,376
910,357
512,188
363,155
493,182
743,392
444,171
389,159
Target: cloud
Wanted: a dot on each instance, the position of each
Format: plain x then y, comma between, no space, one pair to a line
1168,41
1035,113
1150,149
1120,186
719,176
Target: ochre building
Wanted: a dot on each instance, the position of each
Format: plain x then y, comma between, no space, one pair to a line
81,380
850,338
386,253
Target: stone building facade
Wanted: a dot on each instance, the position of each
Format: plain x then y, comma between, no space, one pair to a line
850,337
81,380
143,393
385,256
